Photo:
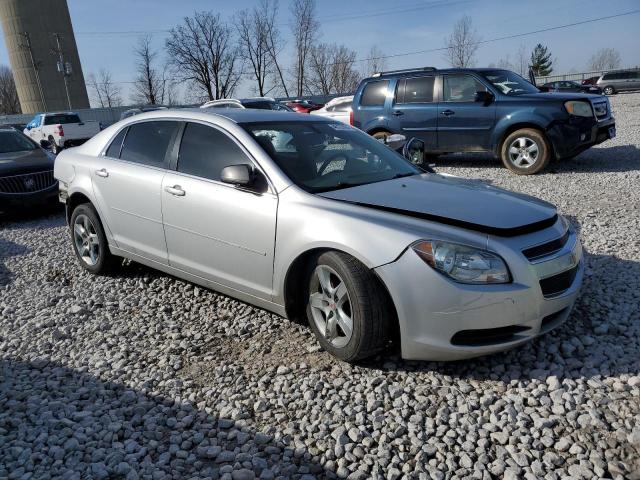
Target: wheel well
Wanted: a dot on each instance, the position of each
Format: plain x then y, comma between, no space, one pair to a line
373,131
73,201
294,286
519,126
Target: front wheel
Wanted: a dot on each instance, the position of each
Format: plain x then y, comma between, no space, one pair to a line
525,152
55,149
608,90
89,240
347,307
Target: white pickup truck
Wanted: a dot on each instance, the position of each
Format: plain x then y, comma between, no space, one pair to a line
61,130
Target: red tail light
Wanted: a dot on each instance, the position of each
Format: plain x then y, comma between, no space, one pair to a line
351,118
60,130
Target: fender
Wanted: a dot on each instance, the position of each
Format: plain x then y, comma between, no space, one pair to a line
530,117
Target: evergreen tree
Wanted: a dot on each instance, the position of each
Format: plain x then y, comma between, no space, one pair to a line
541,62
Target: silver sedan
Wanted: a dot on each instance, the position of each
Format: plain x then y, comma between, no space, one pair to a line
308,217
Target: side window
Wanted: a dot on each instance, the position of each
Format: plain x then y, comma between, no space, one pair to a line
342,107
461,88
205,151
147,142
374,94
114,149
418,90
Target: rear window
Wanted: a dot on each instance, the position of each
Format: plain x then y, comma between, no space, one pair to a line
114,149
146,143
257,105
62,118
416,90
613,76
374,94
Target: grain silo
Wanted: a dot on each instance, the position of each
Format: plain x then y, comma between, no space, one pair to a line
43,55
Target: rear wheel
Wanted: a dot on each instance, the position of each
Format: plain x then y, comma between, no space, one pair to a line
525,152
608,90
382,135
89,240
347,307
55,149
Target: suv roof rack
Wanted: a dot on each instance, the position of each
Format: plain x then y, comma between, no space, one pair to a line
405,70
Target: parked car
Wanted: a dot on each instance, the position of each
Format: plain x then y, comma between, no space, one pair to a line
338,108
590,80
138,110
482,110
26,172
564,86
621,81
260,103
306,216
304,106
61,130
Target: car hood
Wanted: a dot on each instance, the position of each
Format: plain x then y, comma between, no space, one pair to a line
563,96
469,204
29,161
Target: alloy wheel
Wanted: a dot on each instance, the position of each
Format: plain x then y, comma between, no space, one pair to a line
523,152
331,306
86,240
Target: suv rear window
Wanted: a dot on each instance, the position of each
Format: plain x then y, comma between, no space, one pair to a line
416,90
147,142
61,119
374,94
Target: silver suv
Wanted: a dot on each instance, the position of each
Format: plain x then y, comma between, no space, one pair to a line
622,81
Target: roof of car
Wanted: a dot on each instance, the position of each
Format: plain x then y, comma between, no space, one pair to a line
237,115
411,72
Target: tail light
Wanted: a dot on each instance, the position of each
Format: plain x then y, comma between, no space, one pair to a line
60,130
351,118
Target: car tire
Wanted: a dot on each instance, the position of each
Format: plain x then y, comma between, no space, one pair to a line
382,135
343,294
55,149
608,90
89,240
525,152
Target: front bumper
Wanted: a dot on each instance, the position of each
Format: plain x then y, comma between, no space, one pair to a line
444,320
579,134
13,202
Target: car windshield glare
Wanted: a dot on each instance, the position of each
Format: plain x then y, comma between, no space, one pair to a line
321,156
15,142
509,83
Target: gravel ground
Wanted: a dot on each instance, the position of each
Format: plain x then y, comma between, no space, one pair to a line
142,375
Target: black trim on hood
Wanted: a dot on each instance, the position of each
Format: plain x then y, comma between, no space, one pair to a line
500,232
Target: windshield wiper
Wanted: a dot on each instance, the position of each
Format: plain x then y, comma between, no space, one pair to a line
339,186
402,175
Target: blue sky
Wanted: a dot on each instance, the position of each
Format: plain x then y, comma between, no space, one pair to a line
413,25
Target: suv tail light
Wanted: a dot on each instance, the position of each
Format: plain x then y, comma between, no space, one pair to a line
60,130
351,118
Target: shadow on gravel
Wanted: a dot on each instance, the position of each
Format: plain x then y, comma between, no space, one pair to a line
30,214
61,422
8,249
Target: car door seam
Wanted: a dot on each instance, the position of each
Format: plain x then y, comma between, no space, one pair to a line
219,240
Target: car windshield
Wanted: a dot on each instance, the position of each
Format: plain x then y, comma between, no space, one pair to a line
15,142
320,156
61,119
508,82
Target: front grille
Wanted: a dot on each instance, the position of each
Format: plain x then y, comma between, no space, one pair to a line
549,248
559,283
487,336
27,183
601,109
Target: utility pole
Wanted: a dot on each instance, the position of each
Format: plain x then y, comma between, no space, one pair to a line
27,45
63,67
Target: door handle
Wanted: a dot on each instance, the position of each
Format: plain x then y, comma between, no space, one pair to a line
176,190
397,113
102,173
447,112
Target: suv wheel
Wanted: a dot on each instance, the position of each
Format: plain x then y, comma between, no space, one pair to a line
525,152
608,90
55,149
381,135
89,241
347,308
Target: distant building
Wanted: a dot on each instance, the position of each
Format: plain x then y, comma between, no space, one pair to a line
43,55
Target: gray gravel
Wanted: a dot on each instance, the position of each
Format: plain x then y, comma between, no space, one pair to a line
145,376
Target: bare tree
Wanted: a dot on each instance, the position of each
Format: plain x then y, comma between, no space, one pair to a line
605,59
375,61
331,69
149,86
345,77
462,44
521,63
9,103
304,27
203,51
505,63
253,29
275,43
106,91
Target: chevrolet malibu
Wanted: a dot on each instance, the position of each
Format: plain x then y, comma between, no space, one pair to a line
309,217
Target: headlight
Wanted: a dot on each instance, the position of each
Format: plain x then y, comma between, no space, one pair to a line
579,108
461,263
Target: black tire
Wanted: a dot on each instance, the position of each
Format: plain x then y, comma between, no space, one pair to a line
369,307
55,149
104,260
608,90
526,141
382,135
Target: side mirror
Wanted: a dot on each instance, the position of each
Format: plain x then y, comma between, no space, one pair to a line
484,97
414,151
241,175
46,144
395,141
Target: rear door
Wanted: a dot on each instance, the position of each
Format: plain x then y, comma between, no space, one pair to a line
463,123
370,112
127,182
633,82
415,111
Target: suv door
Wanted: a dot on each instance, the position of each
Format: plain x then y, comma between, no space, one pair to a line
127,182
463,123
415,112
633,80
215,230
370,112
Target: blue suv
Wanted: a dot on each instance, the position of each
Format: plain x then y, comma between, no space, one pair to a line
482,110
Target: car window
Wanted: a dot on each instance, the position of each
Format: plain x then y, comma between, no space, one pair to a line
418,90
146,143
114,148
461,88
205,151
612,76
374,94
342,106
13,141
61,119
